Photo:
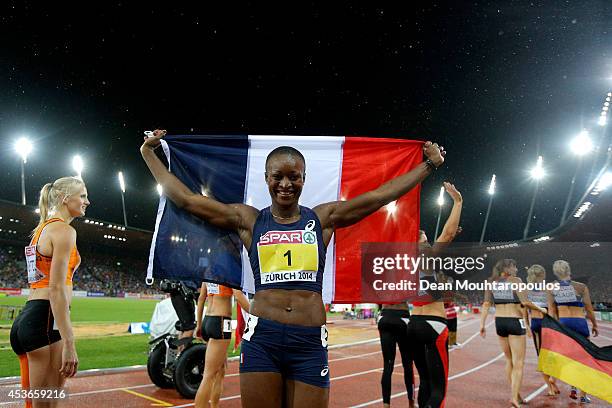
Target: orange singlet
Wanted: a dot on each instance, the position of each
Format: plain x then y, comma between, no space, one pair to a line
214,289
39,265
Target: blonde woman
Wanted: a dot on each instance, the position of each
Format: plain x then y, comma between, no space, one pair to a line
42,334
510,318
537,274
569,305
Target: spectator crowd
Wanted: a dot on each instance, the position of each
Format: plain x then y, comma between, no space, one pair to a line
104,273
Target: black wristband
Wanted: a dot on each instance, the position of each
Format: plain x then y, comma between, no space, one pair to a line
431,165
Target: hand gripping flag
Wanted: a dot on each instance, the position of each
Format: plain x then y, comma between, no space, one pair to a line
231,169
573,359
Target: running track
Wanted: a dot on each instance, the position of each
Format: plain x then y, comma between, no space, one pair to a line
476,378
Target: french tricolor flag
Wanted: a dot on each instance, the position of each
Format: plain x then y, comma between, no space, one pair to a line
231,169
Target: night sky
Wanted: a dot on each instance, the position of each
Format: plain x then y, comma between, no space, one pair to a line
496,83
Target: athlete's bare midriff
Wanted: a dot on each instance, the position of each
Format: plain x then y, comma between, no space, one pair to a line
219,306
571,311
508,310
299,307
431,309
43,293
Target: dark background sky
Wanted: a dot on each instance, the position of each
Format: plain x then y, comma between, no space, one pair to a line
494,82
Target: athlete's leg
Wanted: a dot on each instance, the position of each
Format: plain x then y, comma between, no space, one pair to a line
388,341
301,395
406,353
41,370
261,390
436,354
505,346
217,388
517,346
216,354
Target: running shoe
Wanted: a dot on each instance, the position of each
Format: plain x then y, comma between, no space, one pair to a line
585,400
573,393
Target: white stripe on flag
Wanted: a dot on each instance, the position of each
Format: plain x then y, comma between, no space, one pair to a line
323,156
160,213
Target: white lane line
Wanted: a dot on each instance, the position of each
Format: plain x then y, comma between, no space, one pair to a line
332,360
75,394
473,336
461,374
471,370
342,377
535,393
604,337
355,356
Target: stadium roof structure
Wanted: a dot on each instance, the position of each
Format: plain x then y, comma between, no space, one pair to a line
589,222
17,222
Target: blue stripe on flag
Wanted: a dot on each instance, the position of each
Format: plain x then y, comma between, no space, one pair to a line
186,247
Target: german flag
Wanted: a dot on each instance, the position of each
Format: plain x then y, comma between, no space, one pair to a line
573,359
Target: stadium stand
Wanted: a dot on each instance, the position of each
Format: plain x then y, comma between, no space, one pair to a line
114,257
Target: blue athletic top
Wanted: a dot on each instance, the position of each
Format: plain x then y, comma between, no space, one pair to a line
567,295
504,294
288,256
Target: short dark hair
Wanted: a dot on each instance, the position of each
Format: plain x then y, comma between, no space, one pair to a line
291,151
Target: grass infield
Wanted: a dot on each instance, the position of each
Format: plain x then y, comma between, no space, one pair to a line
103,351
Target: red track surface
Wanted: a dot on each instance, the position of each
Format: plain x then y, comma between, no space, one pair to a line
476,378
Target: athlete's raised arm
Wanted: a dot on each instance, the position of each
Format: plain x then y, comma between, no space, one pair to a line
237,217
344,213
451,227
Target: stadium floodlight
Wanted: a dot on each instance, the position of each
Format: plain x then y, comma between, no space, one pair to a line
604,181
441,197
160,190
121,181
23,147
581,144
491,192
77,165
492,185
122,185
602,121
440,205
537,172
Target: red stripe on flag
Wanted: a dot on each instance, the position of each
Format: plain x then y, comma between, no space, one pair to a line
239,326
366,164
560,343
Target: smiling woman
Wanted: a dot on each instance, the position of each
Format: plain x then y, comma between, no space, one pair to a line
284,353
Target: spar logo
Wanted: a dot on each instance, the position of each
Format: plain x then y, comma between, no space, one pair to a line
288,237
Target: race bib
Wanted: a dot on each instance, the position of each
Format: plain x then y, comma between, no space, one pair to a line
227,325
34,275
286,256
538,298
565,294
212,288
